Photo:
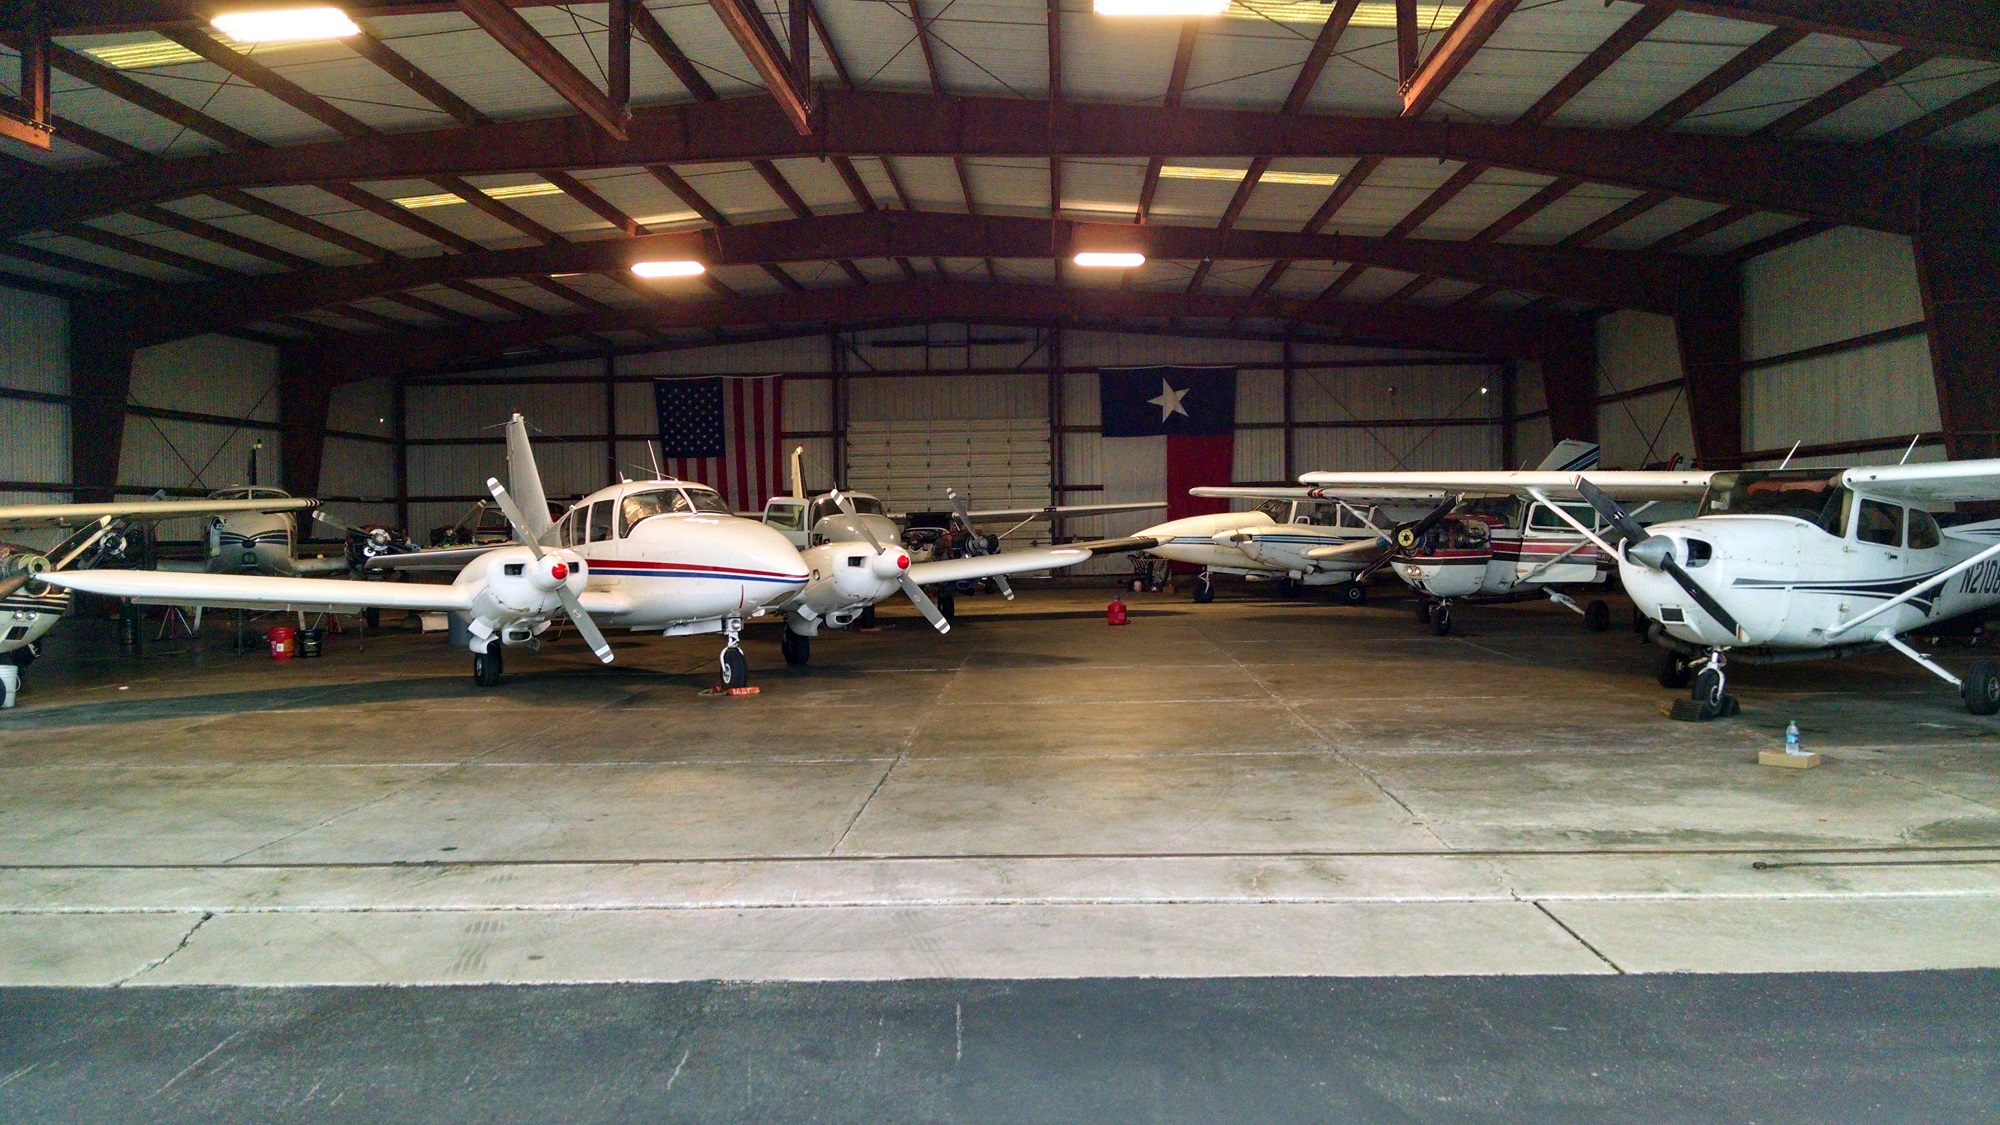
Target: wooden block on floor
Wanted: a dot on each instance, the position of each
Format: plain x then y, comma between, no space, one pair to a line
1806,761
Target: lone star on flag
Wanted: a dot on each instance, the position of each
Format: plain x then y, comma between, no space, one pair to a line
1169,401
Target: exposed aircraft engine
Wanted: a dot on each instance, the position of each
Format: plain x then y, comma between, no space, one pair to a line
18,566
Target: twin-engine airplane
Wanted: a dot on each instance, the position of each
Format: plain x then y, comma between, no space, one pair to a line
661,555
1315,537
1774,565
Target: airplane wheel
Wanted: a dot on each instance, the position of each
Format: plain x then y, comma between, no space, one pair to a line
1708,690
486,667
373,617
1441,620
1287,588
796,647
1204,588
1641,625
735,668
1597,617
1981,690
866,620
1354,593
1674,671
947,604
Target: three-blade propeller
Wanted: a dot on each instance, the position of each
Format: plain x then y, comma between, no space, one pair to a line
908,584
1654,552
585,627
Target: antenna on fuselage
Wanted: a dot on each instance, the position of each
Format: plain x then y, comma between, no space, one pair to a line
256,447
653,451
1788,454
1914,439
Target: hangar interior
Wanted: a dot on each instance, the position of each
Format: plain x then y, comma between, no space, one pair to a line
1733,234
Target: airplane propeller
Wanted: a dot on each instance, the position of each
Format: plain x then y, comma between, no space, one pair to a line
31,568
975,545
1655,552
908,584
585,627
1405,536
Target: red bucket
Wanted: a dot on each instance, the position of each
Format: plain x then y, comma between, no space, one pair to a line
284,642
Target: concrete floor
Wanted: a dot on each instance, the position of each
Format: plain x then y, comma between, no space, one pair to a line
1249,788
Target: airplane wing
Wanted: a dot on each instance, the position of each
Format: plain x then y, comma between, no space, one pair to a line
251,591
1115,546
1056,511
16,517
989,566
1232,492
1945,483
440,558
1620,485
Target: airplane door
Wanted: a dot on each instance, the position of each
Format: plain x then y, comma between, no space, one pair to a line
1552,552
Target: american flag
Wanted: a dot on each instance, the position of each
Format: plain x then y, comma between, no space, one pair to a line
724,433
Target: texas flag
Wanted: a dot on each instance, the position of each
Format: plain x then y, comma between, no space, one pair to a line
1193,408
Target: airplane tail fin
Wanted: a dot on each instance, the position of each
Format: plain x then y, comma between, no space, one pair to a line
524,480
1569,456
798,472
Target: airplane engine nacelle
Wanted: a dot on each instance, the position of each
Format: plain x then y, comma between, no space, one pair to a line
518,586
850,574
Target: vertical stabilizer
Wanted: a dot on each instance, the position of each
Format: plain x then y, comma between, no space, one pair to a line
1570,456
524,480
798,472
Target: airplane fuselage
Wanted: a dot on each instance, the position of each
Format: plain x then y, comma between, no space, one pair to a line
1468,556
1788,582
1256,545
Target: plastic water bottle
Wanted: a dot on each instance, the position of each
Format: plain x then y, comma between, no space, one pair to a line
1792,737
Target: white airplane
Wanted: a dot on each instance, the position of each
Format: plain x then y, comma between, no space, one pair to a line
1309,537
99,535
1777,564
660,555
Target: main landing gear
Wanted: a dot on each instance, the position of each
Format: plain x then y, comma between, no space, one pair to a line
1204,588
486,665
797,647
1352,593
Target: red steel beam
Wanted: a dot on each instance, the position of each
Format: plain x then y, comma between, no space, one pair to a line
1474,26
747,26
1852,184
508,29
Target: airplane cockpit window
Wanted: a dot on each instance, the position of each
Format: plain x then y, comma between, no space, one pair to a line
566,531
791,517
1502,511
1543,518
1879,523
251,492
638,507
1280,511
600,521
1327,515
1806,494
1924,532
708,501
826,508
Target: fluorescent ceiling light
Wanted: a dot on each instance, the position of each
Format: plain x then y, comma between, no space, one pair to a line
1235,175
669,269
1104,260
285,25
149,53
1161,7
1430,16
446,199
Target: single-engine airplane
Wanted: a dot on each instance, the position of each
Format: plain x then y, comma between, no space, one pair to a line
1775,565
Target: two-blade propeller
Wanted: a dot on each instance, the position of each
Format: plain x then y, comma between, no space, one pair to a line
908,584
1654,552
30,568
1406,536
585,627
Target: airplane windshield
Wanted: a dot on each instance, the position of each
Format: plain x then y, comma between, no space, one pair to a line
1280,511
826,508
250,493
638,507
708,501
1504,511
1807,494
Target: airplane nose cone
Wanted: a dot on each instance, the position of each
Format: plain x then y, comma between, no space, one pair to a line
1653,553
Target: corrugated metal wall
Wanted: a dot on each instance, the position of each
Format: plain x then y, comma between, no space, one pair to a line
214,375
34,356
1635,350
358,477
1837,286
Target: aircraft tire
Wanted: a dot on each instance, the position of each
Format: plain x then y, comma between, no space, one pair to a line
947,604
867,619
1708,690
1204,588
735,668
796,647
486,667
1596,617
1981,689
1441,620
1287,588
1641,624
373,617
1353,593
1674,671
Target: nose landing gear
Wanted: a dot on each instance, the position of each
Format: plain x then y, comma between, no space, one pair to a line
1709,697
735,665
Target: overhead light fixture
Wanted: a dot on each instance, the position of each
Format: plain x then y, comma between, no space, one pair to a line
1431,16
419,202
669,269
1107,260
285,25
446,199
1235,175
1160,7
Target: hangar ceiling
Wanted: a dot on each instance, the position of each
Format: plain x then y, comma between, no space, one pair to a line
472,180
